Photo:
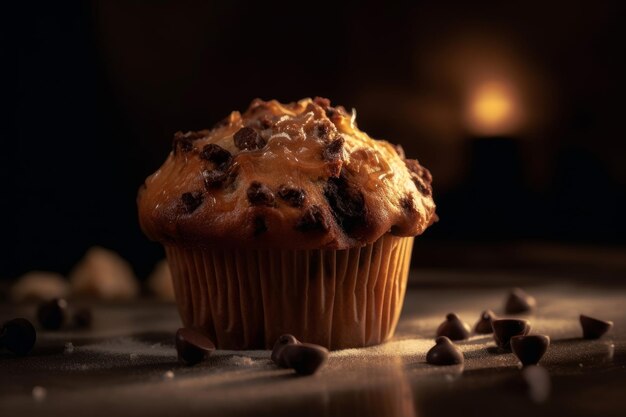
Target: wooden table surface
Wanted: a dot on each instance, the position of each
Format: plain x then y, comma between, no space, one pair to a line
126,364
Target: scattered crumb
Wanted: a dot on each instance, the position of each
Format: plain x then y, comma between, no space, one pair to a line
394,348
39,286
103,274
39,393
241,361
580,365
168,375
128,346
69,348
254,354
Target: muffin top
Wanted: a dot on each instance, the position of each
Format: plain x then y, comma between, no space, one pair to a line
285,176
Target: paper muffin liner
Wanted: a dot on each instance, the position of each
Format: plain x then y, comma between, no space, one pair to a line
245,299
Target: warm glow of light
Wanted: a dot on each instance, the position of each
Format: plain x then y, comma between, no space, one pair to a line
492,105
492,109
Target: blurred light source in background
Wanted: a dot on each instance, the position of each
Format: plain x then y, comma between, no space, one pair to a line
131,73
471,82
496,85
492,109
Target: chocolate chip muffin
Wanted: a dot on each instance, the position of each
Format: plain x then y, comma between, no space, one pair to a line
288,219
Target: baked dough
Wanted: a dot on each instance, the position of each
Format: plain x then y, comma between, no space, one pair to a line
285,176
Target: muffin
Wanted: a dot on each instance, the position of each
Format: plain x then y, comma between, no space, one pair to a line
288,219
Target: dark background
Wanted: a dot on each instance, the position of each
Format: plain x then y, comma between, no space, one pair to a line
95,91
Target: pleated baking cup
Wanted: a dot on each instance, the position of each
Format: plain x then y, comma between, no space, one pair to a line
245,299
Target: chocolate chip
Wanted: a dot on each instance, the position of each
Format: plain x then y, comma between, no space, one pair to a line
421,176
260,226
304,358
281,342
322,102
192,346
214,178
293,196
505,329
414,166
421,187
18,336
594,328
519,302
51,314
335,112
260,195
400,151
417,170
427,176
323,130
334,150
483,325
454,328
333,155
265,122
444,353
247,138
347,204
181,143
530,349
184,141
82,318
216,154
408,204
191,201
313,219
537,381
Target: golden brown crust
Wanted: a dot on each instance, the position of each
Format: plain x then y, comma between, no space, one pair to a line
298,175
